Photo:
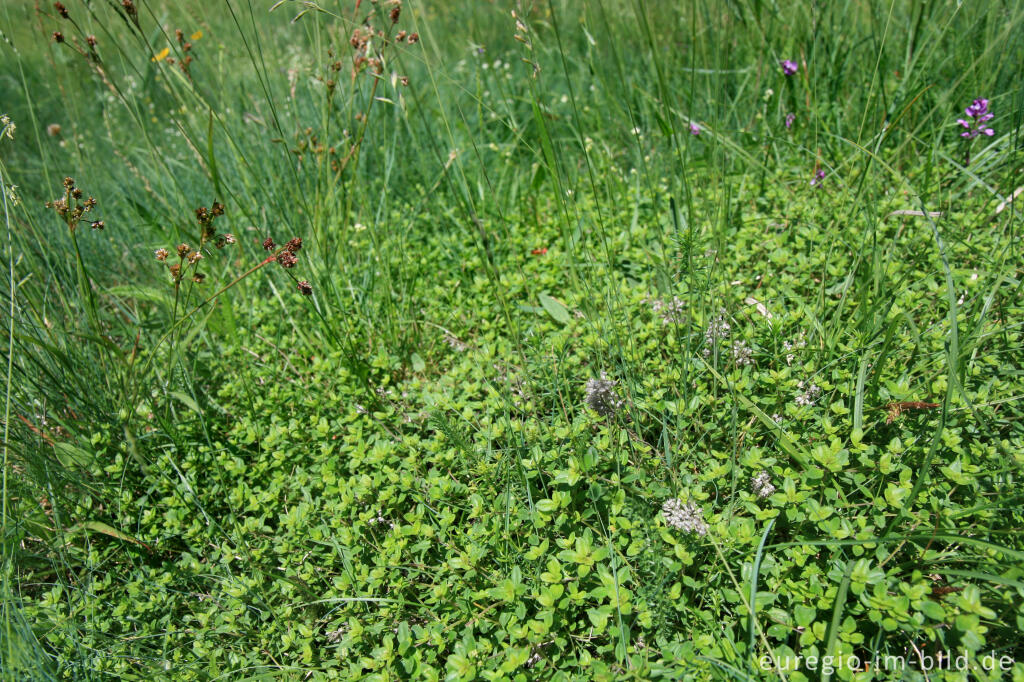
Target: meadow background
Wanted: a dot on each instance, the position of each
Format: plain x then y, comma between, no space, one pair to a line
625,339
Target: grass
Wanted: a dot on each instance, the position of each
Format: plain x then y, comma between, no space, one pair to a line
411,471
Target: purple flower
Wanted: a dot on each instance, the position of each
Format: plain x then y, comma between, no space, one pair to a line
819,176
789,67
978,110
789,120
694,129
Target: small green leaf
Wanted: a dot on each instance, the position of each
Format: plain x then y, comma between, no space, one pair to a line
555,308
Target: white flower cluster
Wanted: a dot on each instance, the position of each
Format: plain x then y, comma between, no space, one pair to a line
791,346
809,396
7,127
379,519
762,485
454,342
671,311
718,328
742,353
685,517
601,396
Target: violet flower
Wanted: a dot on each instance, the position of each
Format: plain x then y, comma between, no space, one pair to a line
819,177
978,110
694,129
789,67
789,120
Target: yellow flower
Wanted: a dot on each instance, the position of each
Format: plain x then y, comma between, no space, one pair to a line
196,36
161,55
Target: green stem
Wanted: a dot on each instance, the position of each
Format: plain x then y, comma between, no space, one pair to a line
84,285
178,323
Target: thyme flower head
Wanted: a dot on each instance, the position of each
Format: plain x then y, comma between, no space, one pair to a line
810,394
601,396
791,346
672,312
762,485
685,517
718,328
742,353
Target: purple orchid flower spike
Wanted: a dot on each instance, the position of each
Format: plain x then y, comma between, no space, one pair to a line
789,67
978,110
789,120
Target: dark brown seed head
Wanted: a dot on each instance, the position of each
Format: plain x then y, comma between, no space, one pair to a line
305,288
294,245
395,12
91,40
183,250
414,38
96,224
269,244
217,209
76,193
58,37
286,259
61,9
69,183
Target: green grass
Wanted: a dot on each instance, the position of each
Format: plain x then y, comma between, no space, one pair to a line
399,476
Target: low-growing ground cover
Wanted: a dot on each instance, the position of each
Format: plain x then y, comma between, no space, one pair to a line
576,342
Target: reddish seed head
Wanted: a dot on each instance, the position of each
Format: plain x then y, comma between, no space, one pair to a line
61,9
414,38
269,244
286,259
395,12
305,288
96,224
58,37
294,245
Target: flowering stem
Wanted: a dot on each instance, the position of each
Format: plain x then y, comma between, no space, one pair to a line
84,286
178,323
